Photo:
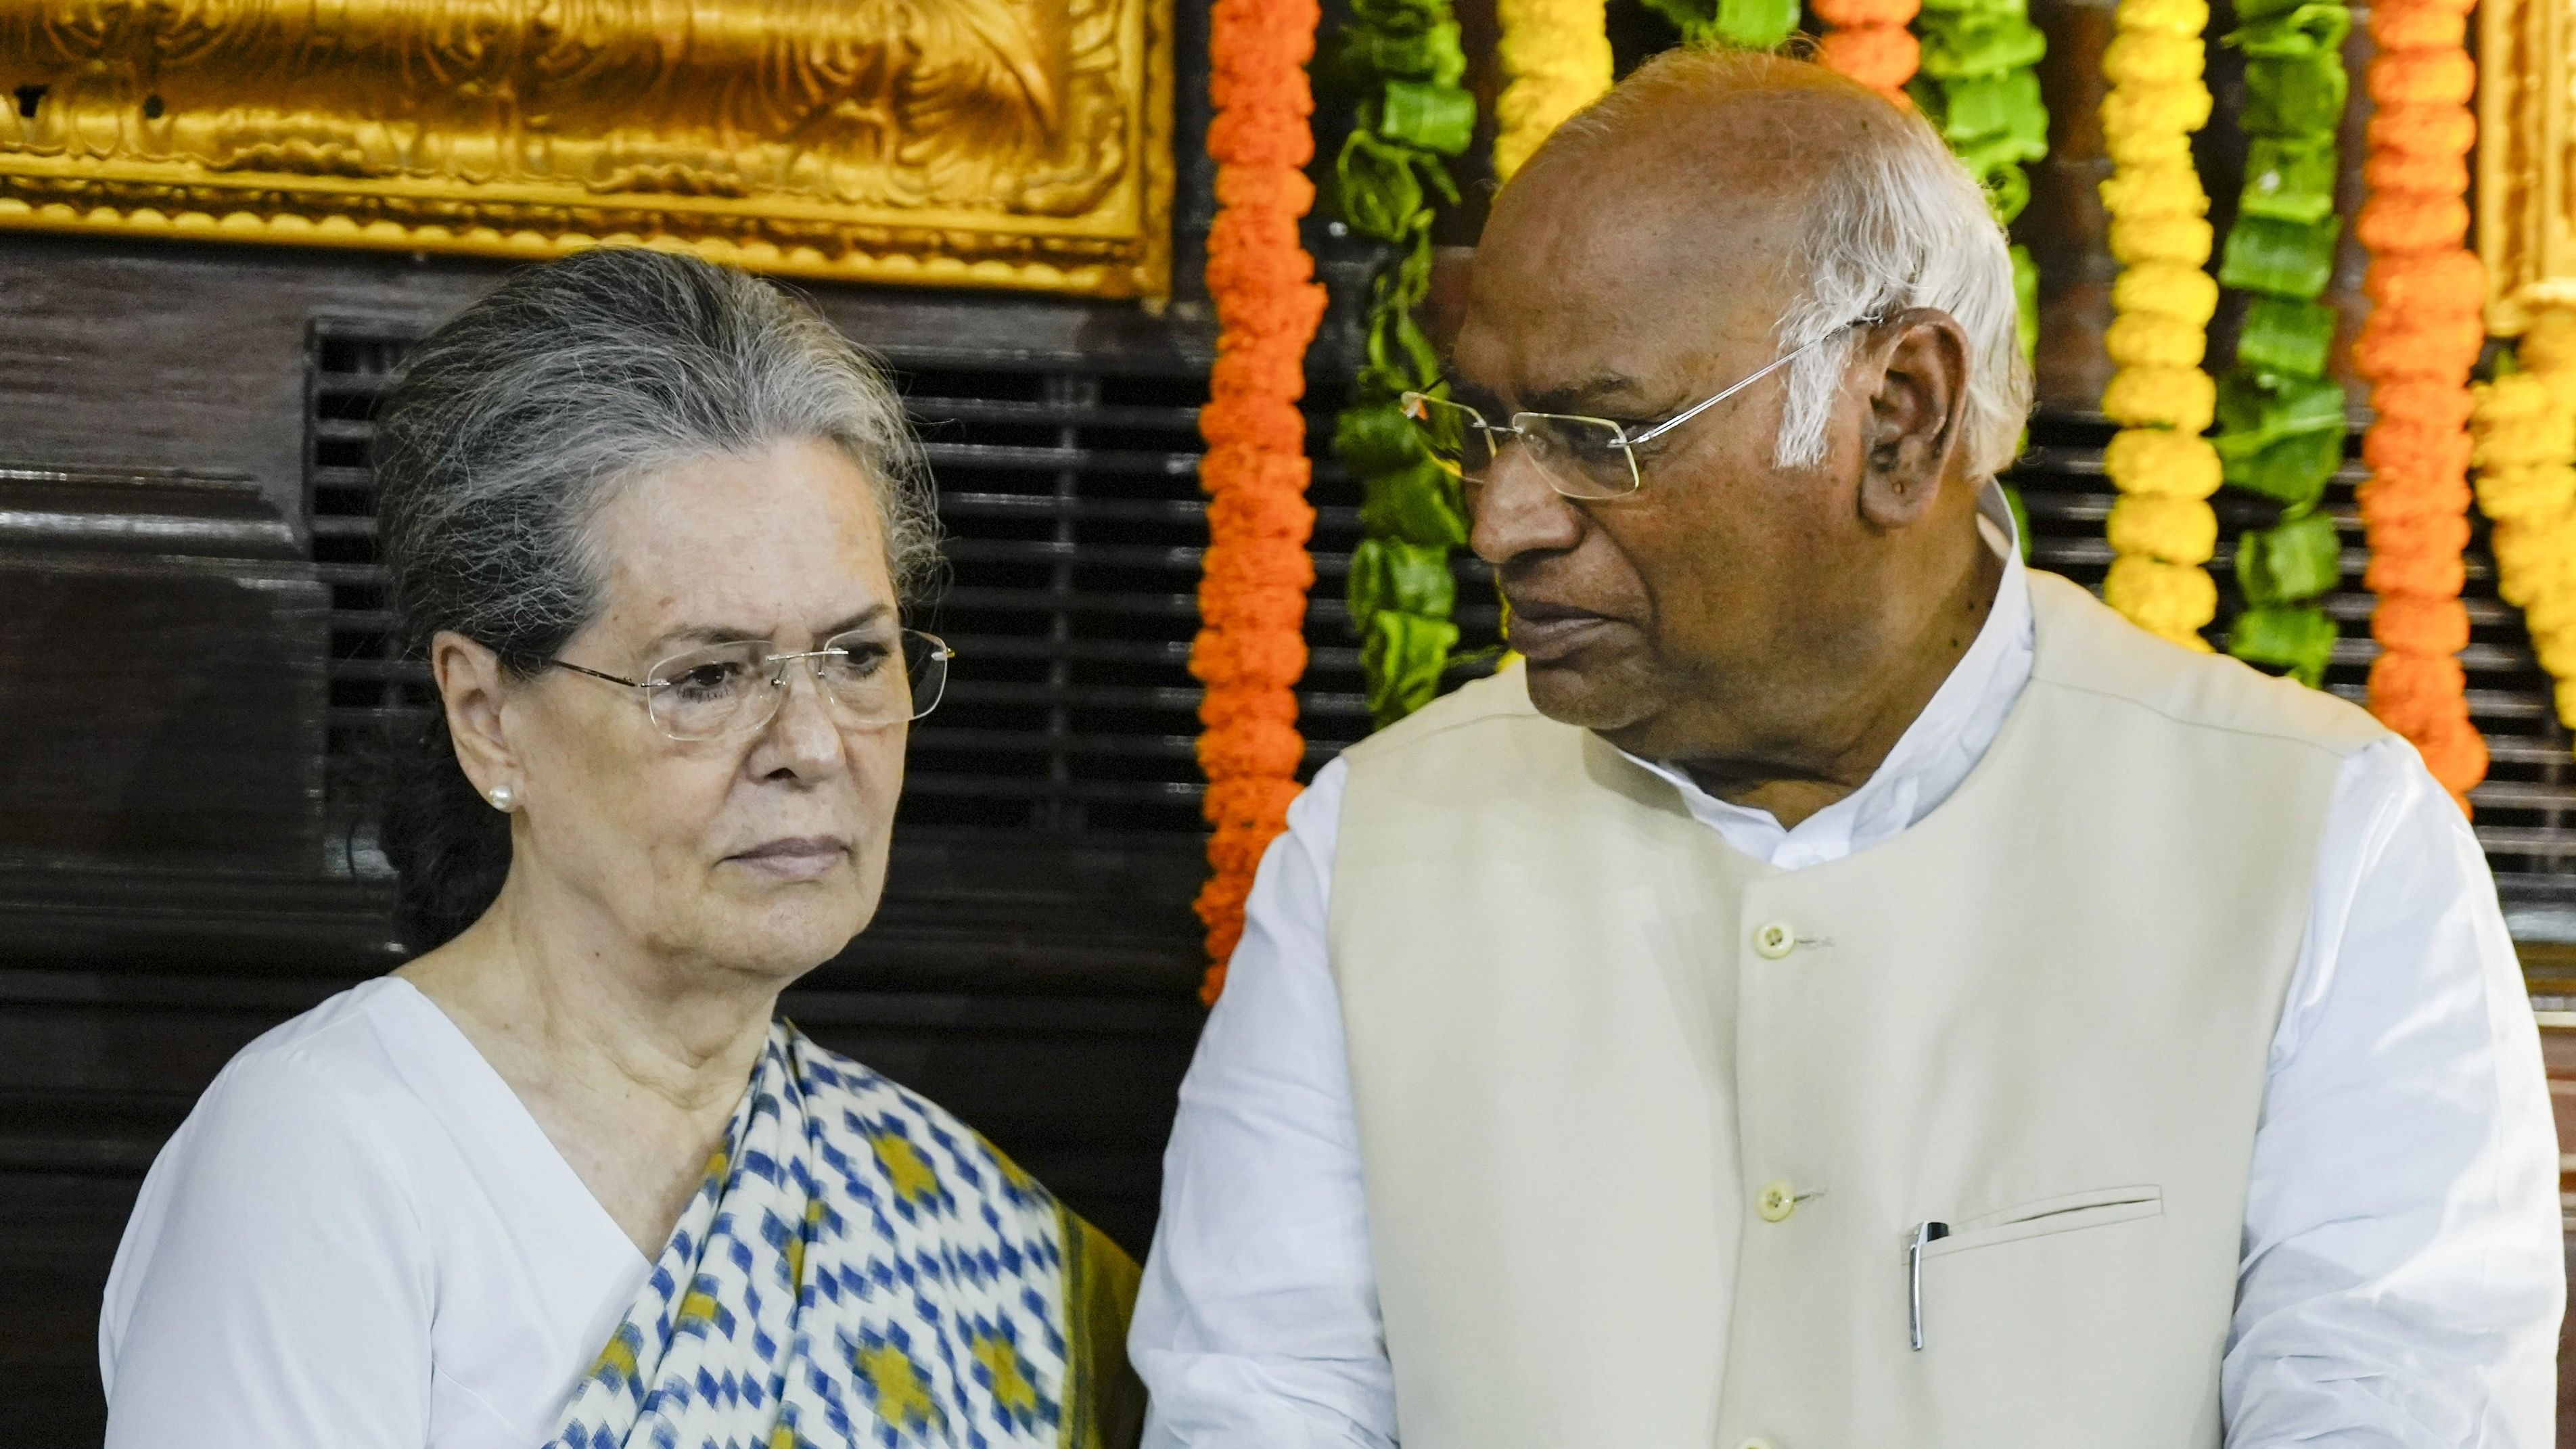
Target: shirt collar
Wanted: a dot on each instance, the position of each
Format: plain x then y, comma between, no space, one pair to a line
1930,759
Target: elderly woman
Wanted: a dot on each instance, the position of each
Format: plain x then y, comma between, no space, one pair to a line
564,1178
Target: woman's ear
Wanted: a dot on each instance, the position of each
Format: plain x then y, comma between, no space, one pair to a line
470,690
1916,414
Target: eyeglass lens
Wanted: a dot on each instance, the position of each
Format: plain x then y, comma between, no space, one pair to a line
871,676
1581,457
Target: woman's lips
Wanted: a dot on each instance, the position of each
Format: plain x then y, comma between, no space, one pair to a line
798,857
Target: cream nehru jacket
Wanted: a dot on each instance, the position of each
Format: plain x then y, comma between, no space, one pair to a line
1647,1127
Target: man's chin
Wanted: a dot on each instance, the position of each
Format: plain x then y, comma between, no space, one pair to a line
1589,695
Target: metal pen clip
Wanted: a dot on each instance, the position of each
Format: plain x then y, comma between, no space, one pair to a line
1924,1234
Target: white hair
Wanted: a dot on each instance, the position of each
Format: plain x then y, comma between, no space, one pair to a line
509,426
1896,222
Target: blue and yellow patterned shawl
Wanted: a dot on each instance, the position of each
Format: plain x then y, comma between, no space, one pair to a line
859,1268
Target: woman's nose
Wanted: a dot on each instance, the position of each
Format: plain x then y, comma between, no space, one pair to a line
804,736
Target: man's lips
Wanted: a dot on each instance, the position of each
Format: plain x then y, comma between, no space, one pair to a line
795,857
1543,631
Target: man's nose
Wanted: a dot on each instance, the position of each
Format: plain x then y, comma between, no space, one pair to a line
1517,511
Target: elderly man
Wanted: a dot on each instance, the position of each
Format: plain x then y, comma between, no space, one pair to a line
1845,991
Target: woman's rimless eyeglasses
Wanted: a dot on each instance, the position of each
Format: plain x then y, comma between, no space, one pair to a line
725,689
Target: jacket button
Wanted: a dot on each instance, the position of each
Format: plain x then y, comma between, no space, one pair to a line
1774,939
1777,1201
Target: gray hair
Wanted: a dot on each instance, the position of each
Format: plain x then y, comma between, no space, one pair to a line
1896,222
506,429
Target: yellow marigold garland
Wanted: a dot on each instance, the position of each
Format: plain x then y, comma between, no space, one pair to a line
2526,459
2162,528
1556,61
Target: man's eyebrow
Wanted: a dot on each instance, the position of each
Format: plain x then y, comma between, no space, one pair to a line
1599,390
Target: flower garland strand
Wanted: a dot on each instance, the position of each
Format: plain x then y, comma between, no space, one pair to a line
1868,41
2525,432
1556,60
1980,89
1405,54
1251,645
2423,337
1979,86
2162,528
2280,418
1735,24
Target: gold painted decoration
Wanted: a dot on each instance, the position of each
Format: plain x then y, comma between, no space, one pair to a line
2526,72
1000,143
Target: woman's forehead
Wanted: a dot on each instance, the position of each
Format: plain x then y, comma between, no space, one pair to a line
791,536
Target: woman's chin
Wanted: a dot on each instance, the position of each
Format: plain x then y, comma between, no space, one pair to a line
786,930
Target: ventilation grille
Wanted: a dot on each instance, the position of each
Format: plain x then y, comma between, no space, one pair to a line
1074,523
1074,527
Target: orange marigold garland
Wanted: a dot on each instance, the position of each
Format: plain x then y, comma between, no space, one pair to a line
1870,43
2423,337
1251,646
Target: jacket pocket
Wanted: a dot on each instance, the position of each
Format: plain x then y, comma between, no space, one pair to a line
2066,1213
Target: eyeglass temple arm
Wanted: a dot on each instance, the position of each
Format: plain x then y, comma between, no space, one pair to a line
1695,409
597,674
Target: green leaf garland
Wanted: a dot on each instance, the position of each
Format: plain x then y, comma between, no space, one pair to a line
2280,420
1740,24
1392,169
1979,87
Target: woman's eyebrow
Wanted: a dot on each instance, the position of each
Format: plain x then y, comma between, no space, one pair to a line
727,634
873,613
699,634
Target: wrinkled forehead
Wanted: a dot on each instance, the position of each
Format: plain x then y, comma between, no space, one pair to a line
1653,263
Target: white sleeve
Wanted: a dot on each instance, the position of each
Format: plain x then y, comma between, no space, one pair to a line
274,1286
2402,1274
1257,1324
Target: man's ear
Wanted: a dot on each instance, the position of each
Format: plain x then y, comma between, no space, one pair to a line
470,689
1913,435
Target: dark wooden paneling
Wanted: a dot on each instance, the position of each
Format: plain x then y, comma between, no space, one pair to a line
161,651
134,355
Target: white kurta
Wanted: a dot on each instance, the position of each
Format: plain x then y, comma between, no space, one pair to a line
2393,1290
359,1238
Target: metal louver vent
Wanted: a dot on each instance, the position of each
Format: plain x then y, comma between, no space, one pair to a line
1074,525
2526,810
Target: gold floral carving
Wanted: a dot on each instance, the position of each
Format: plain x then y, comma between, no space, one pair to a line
2526,205
1005,143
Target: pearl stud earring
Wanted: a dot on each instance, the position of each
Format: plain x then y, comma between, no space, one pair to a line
503,797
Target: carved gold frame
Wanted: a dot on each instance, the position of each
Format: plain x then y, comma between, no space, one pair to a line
2526,232
978,143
